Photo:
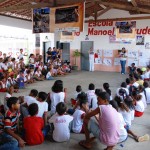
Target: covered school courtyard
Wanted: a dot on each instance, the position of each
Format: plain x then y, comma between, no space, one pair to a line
140,125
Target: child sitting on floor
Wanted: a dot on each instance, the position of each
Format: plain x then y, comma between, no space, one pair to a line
139,106
12,140
78,115
124,129
107,129
132,68
34,127
78,91
61,123
3,84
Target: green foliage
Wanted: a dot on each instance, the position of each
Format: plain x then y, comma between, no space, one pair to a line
76,54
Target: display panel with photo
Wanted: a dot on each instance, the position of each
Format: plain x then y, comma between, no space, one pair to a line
139,40
65,15
41,20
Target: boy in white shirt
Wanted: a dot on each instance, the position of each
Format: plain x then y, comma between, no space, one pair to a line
91,93
61,123
78,116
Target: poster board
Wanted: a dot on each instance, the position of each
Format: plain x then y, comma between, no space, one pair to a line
141,58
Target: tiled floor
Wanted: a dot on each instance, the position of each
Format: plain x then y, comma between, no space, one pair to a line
139,125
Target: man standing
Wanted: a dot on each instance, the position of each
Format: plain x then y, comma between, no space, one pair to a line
91,60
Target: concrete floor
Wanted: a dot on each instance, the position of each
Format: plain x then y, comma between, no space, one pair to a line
139,125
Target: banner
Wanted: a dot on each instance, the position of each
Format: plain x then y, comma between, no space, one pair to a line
41,20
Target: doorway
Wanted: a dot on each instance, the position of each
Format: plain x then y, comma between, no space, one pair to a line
65,50
85,47
46,45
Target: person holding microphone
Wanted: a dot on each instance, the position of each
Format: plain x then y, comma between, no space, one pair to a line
123,58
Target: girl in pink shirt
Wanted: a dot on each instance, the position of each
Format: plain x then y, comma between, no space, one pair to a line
107,129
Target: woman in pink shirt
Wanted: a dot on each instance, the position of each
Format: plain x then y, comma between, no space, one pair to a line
107,129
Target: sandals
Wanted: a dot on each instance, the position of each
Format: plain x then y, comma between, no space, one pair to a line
143,138
84,144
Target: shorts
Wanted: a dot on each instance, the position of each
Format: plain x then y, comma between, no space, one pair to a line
93,127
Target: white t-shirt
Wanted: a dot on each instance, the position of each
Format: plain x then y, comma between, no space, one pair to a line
61,131
4,66
48,75
43,107
77,121
90,95
38,73
123,132
147,90
55,99
123,56
139,106
94,102
147,75
29,100
143,99
7,95
20,56
127,116
135,84
91,57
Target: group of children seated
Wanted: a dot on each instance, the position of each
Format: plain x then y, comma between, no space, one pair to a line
17,74
96,111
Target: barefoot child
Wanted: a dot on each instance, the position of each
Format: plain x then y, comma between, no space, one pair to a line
107,130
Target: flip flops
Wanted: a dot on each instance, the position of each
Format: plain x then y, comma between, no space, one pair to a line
143,138
85,144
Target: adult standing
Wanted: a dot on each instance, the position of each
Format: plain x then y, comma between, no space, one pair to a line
21,54
123,58
91,60
49,54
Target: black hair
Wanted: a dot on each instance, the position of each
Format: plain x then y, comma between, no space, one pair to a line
91,86
123,84
129,102
78,88
58,86
128,81
121,104
31,55
42,96
114,104
82,97
97,91
33,109
11,101
13,59
106,87
104,96
133,64
34,92
136,76
136,95
5,60
145,84
61,108
141,88
122,92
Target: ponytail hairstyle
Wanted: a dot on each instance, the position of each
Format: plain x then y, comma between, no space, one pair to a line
129,102
106,87
136,96
122,93
121,104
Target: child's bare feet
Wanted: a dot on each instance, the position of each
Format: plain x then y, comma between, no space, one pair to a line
143,138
